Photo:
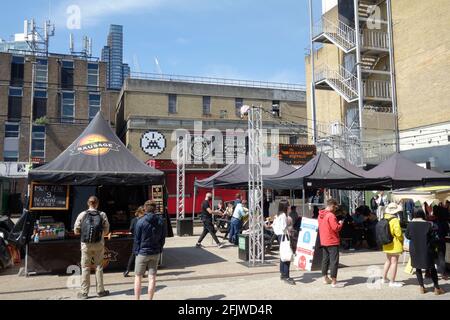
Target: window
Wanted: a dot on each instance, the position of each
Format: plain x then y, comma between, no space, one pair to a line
17,70
38,142
15,92
172,103
11,142
67,75
276,108
206,105
39,104
68,107
93,75
41,73
94,105
15,104
293,139
239,102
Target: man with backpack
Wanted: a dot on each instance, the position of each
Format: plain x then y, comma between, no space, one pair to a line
149,239
92,225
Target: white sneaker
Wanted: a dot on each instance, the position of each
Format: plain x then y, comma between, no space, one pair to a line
337,285
383,281
395,284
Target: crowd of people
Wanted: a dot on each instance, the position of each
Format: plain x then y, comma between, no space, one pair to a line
426,232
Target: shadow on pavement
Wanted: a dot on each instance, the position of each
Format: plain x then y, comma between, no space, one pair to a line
130,292
179,258
216,297
355,281
308,277
174,273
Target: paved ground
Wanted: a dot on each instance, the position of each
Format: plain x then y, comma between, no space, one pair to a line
212,273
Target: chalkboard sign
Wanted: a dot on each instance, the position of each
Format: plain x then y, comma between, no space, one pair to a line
49,197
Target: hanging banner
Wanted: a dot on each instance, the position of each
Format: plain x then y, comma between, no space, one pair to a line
306,244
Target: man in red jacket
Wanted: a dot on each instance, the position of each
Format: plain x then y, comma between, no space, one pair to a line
329,229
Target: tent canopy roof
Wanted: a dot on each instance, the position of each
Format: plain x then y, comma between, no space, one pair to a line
235,175
403,173
96,157
324,172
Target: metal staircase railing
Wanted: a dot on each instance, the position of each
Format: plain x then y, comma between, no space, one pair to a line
339,33
375,39
380,89
341,80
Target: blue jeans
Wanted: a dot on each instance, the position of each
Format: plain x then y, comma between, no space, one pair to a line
235,228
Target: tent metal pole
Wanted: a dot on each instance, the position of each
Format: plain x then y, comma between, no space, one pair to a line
195,196
26,260
304,201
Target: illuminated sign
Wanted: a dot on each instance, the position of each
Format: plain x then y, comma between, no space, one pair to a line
296,154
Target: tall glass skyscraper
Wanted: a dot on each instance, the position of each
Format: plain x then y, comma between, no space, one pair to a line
112,54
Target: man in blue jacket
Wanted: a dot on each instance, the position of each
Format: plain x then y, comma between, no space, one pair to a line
149,239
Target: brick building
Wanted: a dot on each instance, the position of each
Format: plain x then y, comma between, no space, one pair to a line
151,108
68,92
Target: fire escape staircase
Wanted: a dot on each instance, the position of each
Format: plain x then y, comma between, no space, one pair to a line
341,80
340,34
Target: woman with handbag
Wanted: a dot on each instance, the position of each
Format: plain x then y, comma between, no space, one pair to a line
282,226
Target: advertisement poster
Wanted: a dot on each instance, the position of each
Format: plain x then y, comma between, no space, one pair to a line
306,244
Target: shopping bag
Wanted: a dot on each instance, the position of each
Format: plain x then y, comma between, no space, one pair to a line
285,249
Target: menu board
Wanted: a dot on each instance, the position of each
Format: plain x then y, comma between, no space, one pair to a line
158,197
296,154
49,197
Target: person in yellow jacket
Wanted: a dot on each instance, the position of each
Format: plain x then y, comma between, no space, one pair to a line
394,249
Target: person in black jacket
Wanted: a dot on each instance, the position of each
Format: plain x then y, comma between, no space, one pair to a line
443,231
421,248
149,240
140,212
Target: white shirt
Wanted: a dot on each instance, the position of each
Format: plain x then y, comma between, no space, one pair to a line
280,224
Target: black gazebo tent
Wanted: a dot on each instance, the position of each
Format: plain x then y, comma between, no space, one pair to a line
324,172
96,157
235,176
399,172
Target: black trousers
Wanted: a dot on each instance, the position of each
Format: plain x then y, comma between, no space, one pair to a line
330,261
442,269
208,227
131,262
434,276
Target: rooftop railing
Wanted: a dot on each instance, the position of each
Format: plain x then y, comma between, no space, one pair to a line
217,81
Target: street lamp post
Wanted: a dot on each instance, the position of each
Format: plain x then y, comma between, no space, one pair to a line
33,65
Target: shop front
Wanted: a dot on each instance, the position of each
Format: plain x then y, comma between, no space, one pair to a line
97,163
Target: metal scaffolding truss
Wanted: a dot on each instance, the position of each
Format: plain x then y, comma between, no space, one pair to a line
255,186
181,177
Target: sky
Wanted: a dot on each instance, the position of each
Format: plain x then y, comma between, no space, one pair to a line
237,39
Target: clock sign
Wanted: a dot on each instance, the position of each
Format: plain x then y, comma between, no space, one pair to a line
153,143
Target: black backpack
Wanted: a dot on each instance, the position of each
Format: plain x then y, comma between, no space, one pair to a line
92,227
383,232
158,228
